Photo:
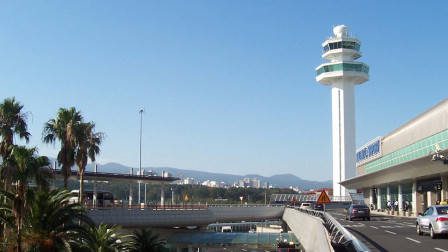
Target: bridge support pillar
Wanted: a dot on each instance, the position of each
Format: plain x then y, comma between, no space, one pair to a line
416,199
95,191
388,193
162,196
378,199
444,194
400,198
130,194
285,227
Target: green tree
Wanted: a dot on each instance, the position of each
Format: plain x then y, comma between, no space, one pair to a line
12,122
61,129
8,237
87,143
146,241
52,223
22,166
102,239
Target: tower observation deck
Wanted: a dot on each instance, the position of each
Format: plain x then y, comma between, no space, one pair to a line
342,72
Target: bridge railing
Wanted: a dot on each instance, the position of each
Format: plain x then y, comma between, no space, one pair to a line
245,205
338,234
151,207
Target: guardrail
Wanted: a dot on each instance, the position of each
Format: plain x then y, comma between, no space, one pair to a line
338,234
150,207
245,205
177,206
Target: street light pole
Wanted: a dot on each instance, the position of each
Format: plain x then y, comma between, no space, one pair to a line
140,170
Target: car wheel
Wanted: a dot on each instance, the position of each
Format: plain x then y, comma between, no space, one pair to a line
419,231
431,233
368,218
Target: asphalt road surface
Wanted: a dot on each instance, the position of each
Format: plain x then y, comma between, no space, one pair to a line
389,233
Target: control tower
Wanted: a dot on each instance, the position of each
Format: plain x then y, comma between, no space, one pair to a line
342,73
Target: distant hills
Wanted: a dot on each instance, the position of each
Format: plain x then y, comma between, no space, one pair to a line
279,180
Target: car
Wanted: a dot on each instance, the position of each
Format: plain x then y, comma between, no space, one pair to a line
305,206
434,221
319,207
358,211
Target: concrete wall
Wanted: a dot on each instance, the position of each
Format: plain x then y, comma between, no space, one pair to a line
136,218
247,213
309,230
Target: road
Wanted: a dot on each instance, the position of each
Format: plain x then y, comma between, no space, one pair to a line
389,233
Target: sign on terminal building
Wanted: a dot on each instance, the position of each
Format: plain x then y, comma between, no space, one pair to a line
369,152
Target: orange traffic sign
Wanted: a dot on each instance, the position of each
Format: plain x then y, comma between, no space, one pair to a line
323,198
186,197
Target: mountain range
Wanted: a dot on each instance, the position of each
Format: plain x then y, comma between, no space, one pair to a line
278,180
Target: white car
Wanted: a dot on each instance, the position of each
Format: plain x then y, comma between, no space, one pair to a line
306,206
434,221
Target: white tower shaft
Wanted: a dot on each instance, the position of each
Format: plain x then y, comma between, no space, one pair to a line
343,125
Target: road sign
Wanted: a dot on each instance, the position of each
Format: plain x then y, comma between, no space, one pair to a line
323,198
241,198
186,198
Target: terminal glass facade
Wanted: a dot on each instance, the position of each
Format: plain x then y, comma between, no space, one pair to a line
413,151
355,67
406,193
383,191
342,44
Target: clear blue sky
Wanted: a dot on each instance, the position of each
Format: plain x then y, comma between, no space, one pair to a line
228,86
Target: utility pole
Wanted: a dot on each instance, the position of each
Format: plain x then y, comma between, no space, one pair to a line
140,170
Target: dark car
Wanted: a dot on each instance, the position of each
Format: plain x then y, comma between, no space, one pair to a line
357,212
319,207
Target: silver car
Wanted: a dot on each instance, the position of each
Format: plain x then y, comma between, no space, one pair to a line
433,221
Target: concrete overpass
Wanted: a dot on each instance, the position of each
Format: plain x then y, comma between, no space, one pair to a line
188,216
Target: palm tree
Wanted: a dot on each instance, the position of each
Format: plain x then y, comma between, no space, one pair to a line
102,239
52,223
87,146
23,165
7,238
60,129
12,122
146,241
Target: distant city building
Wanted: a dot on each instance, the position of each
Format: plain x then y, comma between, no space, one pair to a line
248,182
213,184
147,173
255,183
266,185
166,174
188,181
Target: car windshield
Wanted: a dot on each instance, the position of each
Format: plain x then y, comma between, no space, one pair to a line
442,210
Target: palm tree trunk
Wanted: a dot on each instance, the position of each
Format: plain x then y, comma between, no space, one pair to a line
81,187
81,190
65,182
19,203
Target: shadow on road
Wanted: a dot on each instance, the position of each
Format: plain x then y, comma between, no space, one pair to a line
366,240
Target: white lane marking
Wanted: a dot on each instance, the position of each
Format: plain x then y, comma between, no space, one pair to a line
413,240
387,231
360,223
439,249
374,227
244,249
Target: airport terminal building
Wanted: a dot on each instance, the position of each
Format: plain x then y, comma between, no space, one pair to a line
407,165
